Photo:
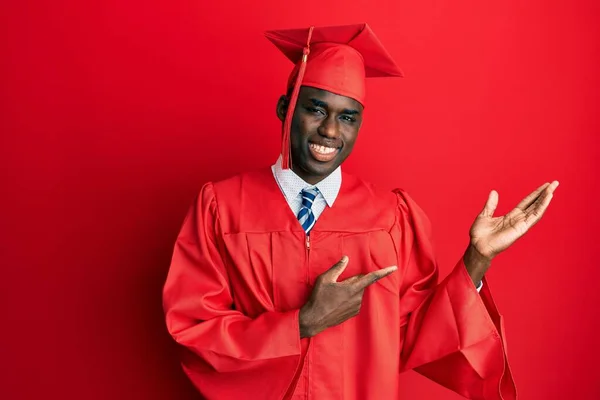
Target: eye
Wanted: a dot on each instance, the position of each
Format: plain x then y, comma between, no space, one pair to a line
315,110
348,118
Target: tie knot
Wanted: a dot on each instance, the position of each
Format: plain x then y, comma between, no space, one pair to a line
308,196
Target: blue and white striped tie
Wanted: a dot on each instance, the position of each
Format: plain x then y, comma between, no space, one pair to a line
306,216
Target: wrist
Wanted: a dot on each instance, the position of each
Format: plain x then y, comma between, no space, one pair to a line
306,329
476,263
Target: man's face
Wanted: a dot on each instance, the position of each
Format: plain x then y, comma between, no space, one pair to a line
324,128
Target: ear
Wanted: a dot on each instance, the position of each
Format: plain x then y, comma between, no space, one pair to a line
282,106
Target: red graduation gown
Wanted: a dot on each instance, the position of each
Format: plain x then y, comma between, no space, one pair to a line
241,269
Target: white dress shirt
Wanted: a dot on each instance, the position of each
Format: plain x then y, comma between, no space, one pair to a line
292,185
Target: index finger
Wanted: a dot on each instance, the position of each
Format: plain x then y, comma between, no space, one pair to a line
373,277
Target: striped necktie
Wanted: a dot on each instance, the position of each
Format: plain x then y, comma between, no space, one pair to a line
306,216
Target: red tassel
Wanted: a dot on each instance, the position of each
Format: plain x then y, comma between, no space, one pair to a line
286,151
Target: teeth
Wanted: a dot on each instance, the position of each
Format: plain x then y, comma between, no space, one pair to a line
322,149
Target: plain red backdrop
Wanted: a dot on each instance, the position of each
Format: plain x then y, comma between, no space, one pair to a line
114,113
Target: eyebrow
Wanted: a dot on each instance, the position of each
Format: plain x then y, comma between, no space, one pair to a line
320,103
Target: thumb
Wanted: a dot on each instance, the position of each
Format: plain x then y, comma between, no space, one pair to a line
333,273
490,205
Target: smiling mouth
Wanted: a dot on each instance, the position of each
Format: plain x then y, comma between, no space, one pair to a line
322,153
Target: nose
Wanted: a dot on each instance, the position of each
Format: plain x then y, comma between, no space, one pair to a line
329,127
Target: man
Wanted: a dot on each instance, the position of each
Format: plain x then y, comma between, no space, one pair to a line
303,282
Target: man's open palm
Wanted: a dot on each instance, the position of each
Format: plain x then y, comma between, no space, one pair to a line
491,235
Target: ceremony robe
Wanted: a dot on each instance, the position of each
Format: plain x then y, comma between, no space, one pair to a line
242,268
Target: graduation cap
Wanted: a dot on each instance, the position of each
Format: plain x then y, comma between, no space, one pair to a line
334,58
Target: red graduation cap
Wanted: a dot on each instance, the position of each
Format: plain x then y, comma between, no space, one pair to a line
334,58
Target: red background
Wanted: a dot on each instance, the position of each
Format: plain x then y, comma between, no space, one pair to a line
114,113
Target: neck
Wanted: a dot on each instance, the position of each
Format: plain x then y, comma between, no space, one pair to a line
308,178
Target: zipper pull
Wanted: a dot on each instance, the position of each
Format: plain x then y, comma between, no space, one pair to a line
307,242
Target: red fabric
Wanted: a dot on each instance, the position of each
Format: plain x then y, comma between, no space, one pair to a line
238,279
334,67
340,60
378,62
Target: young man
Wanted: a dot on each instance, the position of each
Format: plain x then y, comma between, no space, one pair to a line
302,282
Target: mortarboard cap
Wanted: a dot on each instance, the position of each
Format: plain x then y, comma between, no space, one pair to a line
336,59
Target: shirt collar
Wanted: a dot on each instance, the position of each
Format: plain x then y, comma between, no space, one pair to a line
291,184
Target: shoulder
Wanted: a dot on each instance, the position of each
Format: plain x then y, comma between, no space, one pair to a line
395,200
372,194
231,188
228,191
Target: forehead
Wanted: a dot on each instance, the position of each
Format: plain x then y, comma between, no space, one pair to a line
331,99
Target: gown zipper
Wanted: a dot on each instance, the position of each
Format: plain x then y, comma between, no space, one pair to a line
307,265
308,360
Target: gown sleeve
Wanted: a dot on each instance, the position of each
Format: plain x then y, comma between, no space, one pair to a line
452,334
226,354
